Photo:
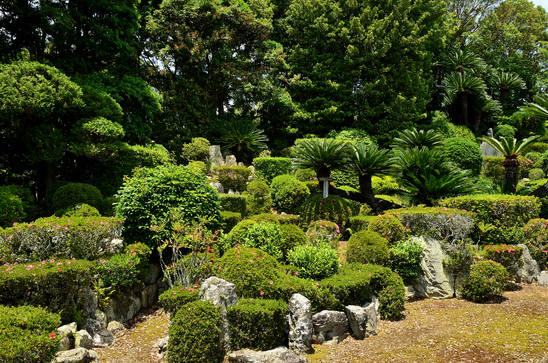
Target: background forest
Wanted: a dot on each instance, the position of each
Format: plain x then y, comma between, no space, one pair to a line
92,89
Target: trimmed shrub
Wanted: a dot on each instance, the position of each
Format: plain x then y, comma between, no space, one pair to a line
388,227
313,187
536,174
506,131
305,175
466,154
233,177
234,203
292,236
198,167
367,247
289,219
492,168
332,208
536,158
323,233
11,208
67,237
314,263
173,299
267,237
28,334
77,193
525,166
539,147
360,223
267,168
405,260
384,185
120,271
355,284
287,192
195,334
79,210
507,256
257,324
196,150
527,187
230,220
436,222
258,197
345,179
148,197
57,284
487,279
265,217
238,233
536,239
142,251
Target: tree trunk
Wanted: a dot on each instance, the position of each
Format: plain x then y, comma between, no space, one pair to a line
511,170
367,192
463,99
477,120
503,95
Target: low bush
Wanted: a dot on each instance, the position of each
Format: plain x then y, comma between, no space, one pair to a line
314,263
355,284
79,210
233,177
230,220
525,166
195,334
367,247
234,203
77,193
360,223
238,233
536,158
292,236
173,299
257,324
28,334
384,185
466,154
536,240
57,284
405,260
492,168
536,174
142,251
267,237
287,193
198,167
305,175
323,233
267,168
508,256
314,187
74,237
120,272
289,219
539,147
526,187
506,131
487,279
389,227
11,208
196,150
258,197
332,208
266,218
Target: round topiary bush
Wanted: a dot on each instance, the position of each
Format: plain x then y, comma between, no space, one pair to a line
197,150
324,233
314,262
389,227
265,217
267,237
332,208
487,279
258,197
150,195
287,192
195,334
77,193
466,154
536,174
292,236
11,208
79,210
367,247
305,175
506,131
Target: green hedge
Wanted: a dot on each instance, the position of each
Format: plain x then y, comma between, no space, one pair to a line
28,334
173,299
230,220
257,324
67,237
466,154
360,223
287,192
233,177
77,193
267,168
57,284
233,203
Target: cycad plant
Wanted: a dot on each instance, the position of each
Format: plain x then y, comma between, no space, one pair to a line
367,161
414,138
510,148
242,136
321,155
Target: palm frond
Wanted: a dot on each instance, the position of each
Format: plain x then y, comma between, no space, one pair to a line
414,138
369,160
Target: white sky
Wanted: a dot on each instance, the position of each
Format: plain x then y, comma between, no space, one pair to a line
543,3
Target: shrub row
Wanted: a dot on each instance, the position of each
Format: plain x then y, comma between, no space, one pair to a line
267,168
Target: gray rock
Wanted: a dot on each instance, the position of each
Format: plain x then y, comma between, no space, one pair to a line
103,338
123,307
91,301
409,292
162,347
231,160
363,321
93,326
543,278
136,288
329,327
221,293
488,150
528,273
215,156
240,164
82,339
115,246
218,186
115,326
434,282
78,355
65,343
149,295
101,316
153,274
163,286
278,355
67,330
300,324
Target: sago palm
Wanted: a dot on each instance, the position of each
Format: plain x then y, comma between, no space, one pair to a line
537,109
458,87
413,138
321,155
505,82
510,148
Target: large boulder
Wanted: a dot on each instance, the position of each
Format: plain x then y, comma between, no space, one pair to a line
101,336
66,332
329,327
115,326
434,282
78,355
529,271
215,156
543,278
363,321
221,293
300,324
123,307
149,295
278,355
82,339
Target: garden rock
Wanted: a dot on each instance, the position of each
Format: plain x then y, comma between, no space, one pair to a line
300,324
100,316
231,160
221,293
528,273
162,347
215,156
115,246
149,295
363,321
162,287
409,292
153,274
488,150
101,336
67,330
329,327
91,301
122,308
434,282
218,186
115,326
278,355
543,278
78,355
82,339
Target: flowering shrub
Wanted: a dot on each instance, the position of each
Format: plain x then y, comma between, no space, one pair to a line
332,208
195,334
507,256
257,324
28,334
305,175
314,262
57,284
323,232
405,260
265,217
536,239
487,279
289,219
367,247
120,272
388,227
173,299
68,237
292,236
